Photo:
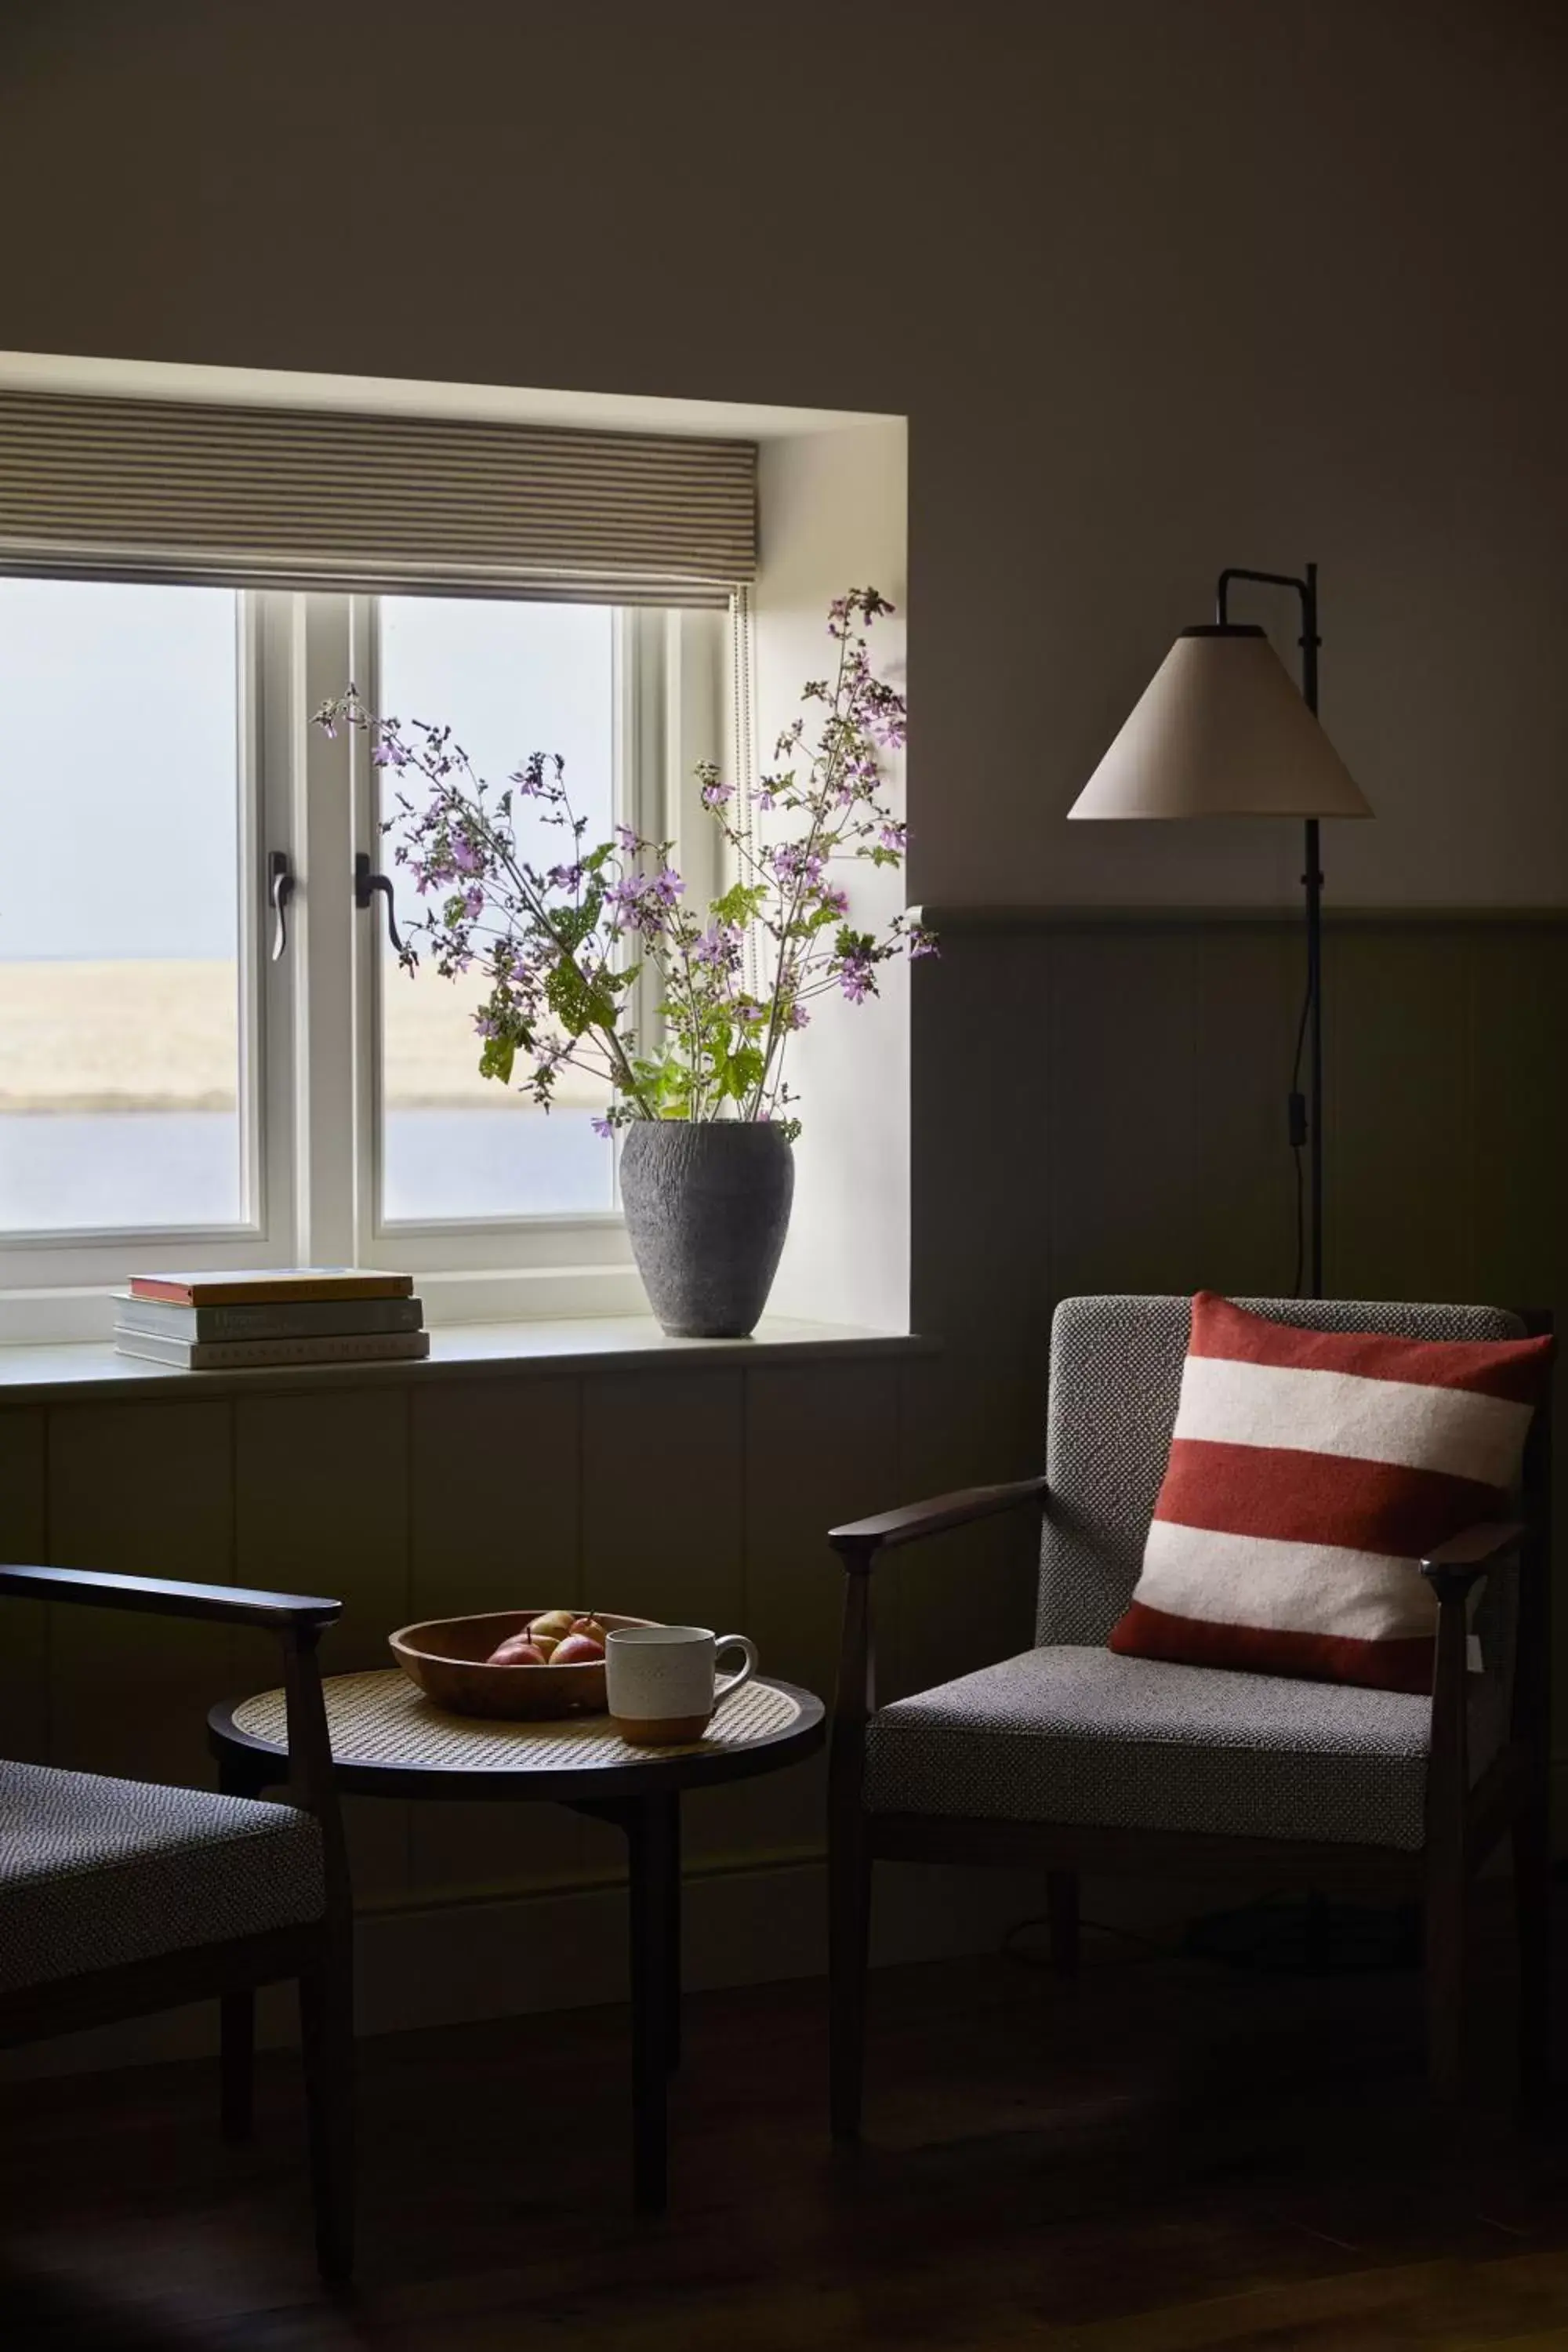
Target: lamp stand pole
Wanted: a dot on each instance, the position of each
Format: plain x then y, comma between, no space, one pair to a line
1306,1117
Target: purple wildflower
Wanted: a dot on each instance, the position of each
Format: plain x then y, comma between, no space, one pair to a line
602,1127
792,863
718,947
530,778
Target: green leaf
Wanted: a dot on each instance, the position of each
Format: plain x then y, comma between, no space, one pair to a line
743,1070
742,903
577,1003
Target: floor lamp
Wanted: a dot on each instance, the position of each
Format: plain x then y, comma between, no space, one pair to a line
1220,731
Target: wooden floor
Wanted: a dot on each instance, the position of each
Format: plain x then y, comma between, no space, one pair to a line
1168,2157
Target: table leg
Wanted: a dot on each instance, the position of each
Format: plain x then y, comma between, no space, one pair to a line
653,1844
672,1961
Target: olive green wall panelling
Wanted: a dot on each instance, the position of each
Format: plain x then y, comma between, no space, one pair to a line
321,1506
1122,1111
24,1625
1248,981
968,1415
663,1512
145,1490
1154,1141
494,1524
822,1446
1399,1132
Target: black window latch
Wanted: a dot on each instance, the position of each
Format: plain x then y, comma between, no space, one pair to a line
366,883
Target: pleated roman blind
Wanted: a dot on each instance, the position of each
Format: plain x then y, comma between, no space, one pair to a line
237,497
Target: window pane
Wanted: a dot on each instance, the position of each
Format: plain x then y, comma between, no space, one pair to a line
119,1018
508,680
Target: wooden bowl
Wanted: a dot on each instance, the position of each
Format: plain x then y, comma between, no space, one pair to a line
448,1658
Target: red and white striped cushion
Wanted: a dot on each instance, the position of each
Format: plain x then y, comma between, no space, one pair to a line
1308,1471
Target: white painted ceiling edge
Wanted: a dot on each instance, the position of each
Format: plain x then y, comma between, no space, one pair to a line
601,412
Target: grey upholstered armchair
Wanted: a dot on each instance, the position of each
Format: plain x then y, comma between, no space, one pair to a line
1073,1759
120,1897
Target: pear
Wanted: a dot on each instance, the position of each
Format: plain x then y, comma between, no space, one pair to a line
578,1650
554,1624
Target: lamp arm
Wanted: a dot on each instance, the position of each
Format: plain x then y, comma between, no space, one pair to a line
1306,587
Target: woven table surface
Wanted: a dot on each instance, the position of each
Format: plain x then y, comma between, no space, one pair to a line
382,1718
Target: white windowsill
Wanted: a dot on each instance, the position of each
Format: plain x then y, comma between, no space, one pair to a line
458,1351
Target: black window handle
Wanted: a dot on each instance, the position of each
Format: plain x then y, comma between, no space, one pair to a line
280,890
365,885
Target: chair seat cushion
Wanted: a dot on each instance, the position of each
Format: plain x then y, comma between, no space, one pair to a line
97,1873
1080,1734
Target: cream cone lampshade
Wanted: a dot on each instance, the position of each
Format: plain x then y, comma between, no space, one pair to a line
1221,729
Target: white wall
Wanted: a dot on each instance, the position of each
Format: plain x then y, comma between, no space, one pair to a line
834,516
1160,287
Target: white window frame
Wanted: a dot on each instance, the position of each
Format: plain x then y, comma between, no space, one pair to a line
310,1034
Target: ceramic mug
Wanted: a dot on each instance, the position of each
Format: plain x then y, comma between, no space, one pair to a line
661,1680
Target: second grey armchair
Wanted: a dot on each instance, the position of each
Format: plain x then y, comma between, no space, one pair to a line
1076,1759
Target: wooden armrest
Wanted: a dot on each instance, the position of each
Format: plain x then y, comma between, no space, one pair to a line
158,1596
863,1538
1477,1548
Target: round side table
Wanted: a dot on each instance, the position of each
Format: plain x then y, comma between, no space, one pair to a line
388,1740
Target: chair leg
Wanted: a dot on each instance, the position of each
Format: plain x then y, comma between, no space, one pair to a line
237,2062
327,2032
849,1942
1445,1983
1061,1910
1533,1912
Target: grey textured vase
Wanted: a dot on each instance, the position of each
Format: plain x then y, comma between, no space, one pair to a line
706,1210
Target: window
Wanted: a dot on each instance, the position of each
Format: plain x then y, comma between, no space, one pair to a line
514,679
125,1012
183,1077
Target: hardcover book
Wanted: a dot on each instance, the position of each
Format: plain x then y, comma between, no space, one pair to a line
283,1286
304,1320
239,1355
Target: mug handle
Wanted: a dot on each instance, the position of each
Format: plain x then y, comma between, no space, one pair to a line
729,1683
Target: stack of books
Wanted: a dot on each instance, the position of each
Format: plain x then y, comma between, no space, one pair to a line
297,1315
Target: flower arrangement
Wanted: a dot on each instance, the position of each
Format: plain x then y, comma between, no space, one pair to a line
560,947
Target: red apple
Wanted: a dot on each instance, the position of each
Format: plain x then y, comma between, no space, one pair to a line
577,1650
518,1650
592,1627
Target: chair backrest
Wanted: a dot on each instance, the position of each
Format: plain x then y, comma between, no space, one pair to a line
1116,1374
